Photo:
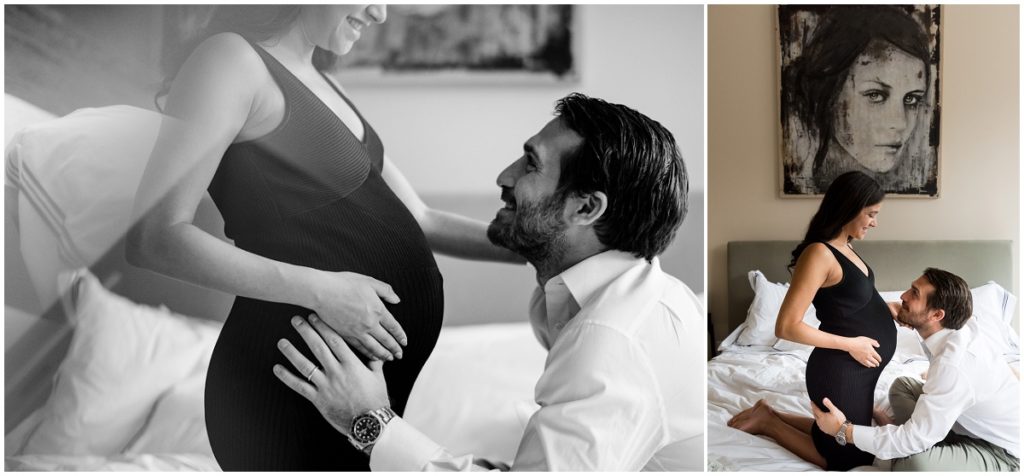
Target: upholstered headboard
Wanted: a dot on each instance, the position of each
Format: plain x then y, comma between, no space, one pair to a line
896,264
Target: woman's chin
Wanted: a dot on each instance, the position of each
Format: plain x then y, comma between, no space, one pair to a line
880,164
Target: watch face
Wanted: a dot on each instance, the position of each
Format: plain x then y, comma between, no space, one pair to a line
366,429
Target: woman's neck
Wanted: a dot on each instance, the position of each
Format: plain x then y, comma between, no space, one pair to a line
293,47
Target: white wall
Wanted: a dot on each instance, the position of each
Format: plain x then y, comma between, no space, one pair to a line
980,144
452,141
458,138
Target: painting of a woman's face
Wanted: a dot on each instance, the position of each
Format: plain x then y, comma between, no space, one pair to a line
877,109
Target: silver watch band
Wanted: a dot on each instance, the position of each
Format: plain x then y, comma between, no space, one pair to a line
384,416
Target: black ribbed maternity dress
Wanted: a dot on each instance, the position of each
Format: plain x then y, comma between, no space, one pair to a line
851,308
311,194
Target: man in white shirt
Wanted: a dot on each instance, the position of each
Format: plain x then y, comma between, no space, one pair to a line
597,194
966,415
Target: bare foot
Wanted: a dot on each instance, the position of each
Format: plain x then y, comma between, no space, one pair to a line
753,419
745,413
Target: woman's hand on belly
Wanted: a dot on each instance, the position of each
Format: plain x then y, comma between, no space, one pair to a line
352,305
862,349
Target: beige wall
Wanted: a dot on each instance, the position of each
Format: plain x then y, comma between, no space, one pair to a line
979,167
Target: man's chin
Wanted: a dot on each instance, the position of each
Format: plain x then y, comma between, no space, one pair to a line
498,234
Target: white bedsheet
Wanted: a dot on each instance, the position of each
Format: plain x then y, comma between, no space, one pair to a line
739,377
475,394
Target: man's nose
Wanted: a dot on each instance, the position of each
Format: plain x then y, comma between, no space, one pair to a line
507,177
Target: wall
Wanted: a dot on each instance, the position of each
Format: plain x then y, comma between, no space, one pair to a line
647,57
979,170
452,141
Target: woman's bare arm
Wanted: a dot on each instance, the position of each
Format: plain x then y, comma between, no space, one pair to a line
447,233
817,268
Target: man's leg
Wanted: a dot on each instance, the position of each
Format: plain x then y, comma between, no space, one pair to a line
959,453
903,395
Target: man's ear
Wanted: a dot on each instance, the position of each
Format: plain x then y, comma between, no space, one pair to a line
587,208
937,314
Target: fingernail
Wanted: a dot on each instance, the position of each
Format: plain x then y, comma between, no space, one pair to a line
282,343
313,318
390,358
404,342
296,321
398,355
277,369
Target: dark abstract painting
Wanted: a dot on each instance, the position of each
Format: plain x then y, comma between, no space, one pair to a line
859,90
467,41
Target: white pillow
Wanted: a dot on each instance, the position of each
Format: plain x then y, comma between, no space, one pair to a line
76,178
764,310
993,307
122,357
178,423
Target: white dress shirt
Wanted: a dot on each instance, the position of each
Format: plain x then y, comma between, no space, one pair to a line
970,389
622,388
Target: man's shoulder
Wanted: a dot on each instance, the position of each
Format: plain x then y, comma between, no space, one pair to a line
636,301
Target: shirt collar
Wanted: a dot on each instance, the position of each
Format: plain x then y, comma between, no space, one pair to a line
937,341
587,277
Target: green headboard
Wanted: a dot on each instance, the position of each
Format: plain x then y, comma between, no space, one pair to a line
896,264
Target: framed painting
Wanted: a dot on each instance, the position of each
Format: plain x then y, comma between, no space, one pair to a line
452,44
859,90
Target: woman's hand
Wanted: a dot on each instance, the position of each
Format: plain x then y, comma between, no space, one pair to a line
351,304
862,349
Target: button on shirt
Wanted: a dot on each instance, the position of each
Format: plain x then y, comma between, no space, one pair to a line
622,385
970,390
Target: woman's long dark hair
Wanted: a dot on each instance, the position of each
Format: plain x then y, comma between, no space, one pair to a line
814,80
192,24
848,194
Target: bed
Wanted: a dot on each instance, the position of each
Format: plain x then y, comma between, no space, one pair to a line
752,364
129,392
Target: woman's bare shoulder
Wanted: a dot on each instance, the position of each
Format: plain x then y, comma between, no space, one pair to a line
815,254
227,53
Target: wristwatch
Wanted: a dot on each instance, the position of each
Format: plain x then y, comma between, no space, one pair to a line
841,435
367,428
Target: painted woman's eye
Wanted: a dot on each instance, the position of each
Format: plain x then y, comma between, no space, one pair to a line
912,100
876,97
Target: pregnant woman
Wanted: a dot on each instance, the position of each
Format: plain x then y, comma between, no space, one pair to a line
322,221
857,336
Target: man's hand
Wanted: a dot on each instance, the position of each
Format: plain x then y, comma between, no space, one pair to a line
830,421
342,387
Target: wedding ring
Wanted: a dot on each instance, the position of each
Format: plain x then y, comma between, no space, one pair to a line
309,376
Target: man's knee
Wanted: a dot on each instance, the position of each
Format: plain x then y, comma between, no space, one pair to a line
918,462
905,387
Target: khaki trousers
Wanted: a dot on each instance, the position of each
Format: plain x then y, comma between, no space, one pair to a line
953,453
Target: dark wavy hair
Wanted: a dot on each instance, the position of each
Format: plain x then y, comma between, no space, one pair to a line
952,295
815,79
255,23
848,194
634,160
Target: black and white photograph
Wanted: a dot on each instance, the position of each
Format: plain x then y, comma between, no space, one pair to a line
354,238
859,90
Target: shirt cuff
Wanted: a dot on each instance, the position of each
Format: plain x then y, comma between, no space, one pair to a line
402,448
864,438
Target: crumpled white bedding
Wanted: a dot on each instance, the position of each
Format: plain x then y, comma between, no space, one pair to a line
473,395
740,376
